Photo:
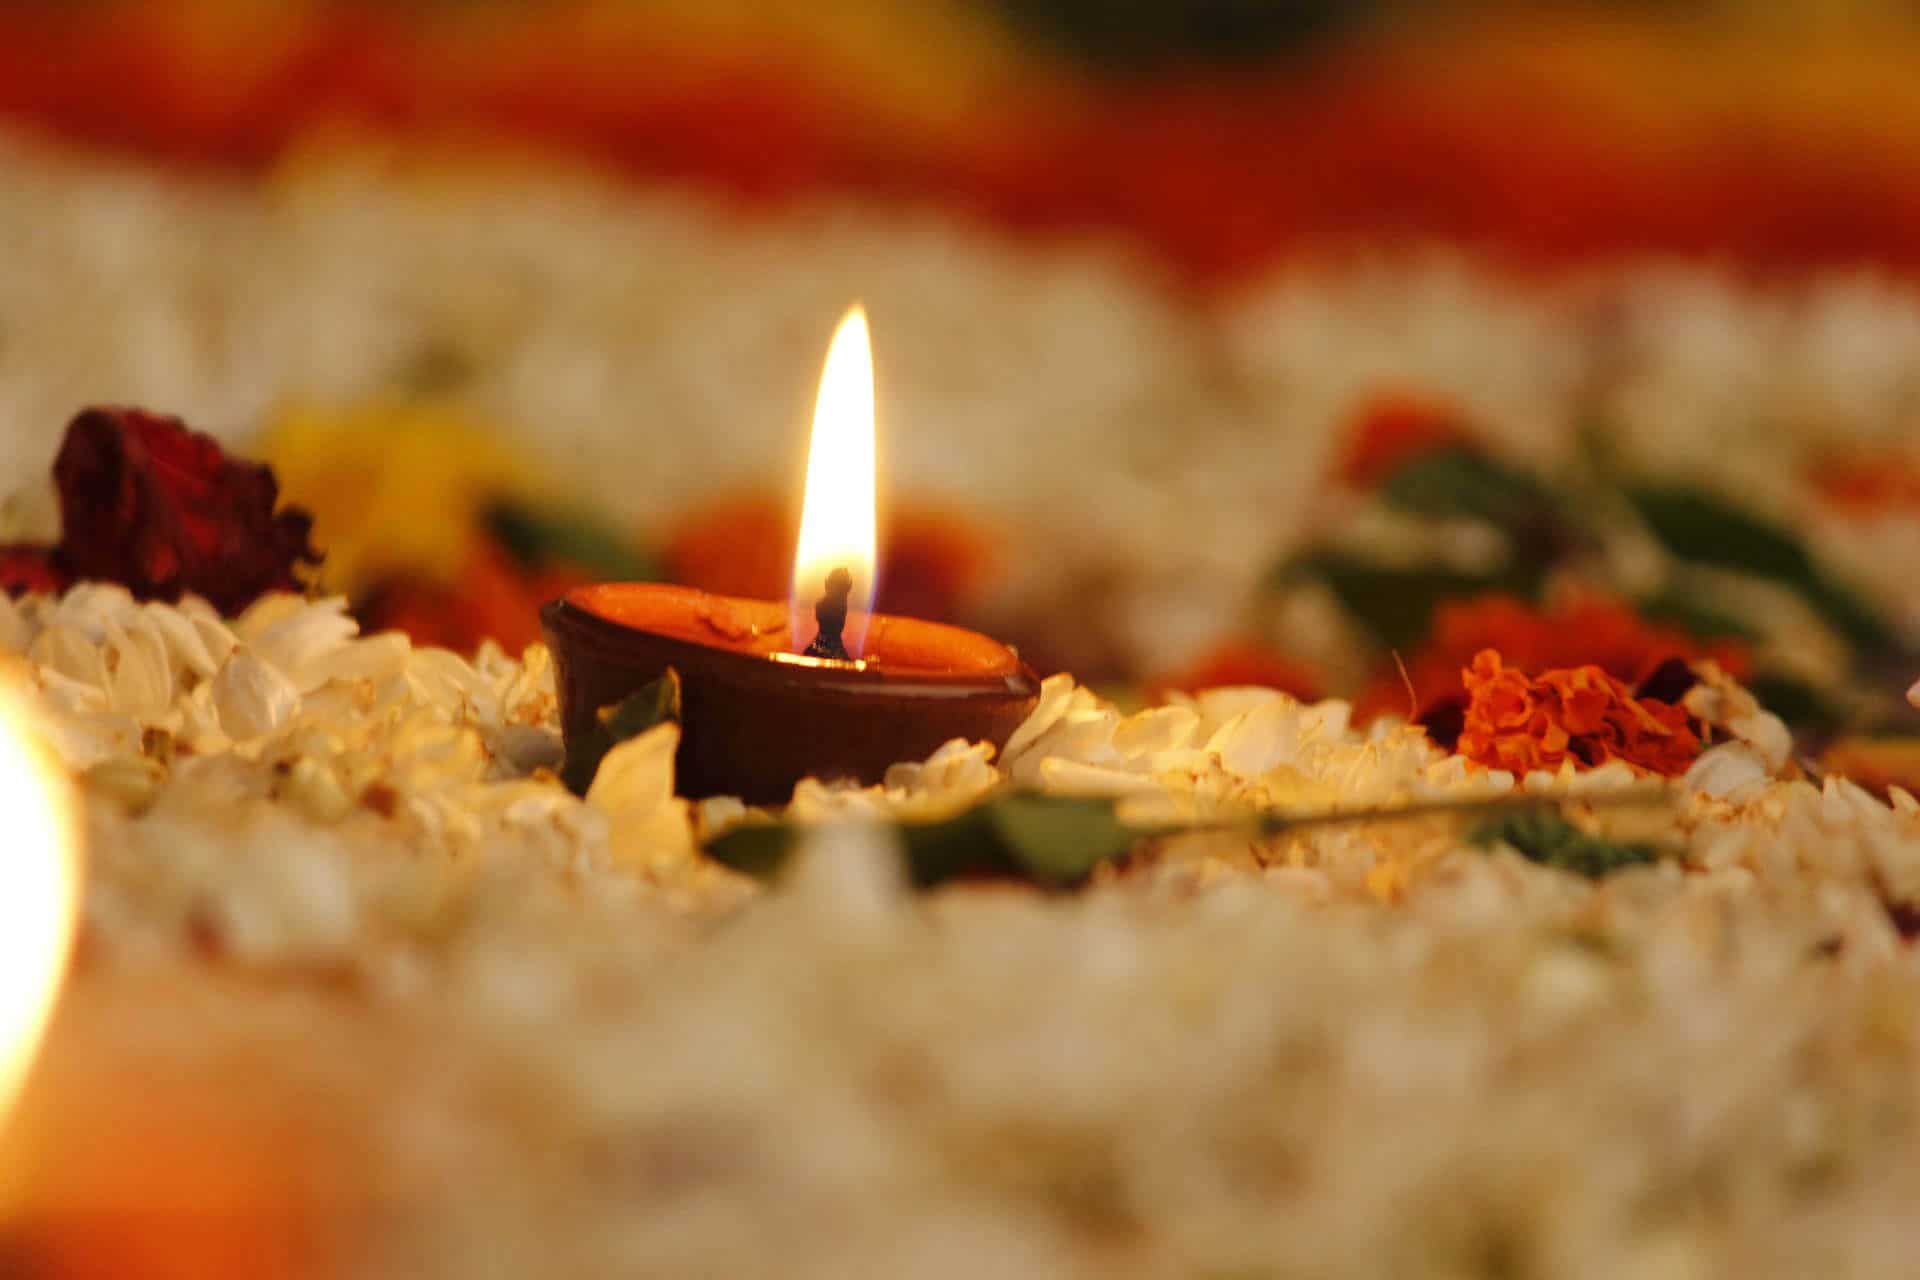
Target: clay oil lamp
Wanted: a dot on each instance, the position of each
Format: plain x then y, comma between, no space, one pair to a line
814,686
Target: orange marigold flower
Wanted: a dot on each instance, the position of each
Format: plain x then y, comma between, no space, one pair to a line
1393,428
1582,714
1591,629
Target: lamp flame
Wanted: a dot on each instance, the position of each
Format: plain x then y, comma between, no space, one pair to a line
39,894
837,516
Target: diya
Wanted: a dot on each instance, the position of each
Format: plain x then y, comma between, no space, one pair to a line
773,692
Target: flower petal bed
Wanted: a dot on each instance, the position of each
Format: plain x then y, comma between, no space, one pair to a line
486,1018
363,989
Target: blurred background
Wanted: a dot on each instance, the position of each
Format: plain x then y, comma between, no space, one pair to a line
1216,341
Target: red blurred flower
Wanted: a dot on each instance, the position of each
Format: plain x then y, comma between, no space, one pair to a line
1868,483
494,598
1393,428
1240,662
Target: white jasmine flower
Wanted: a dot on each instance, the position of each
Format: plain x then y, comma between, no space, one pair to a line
1727,770
633,788
252,698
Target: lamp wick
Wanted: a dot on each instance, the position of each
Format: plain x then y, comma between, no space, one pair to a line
831,614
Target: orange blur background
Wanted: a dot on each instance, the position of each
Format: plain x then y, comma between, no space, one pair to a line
1219,134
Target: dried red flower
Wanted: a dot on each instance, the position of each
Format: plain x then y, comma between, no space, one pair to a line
24,567
1395,428
163,511
1521,723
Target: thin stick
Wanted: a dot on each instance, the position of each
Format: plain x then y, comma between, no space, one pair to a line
1280,823
1413,699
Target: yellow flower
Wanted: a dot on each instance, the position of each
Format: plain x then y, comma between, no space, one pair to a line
394,487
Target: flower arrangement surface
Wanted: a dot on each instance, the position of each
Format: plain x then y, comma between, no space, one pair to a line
1338,937
1468,826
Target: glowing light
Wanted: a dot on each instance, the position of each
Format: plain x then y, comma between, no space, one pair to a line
39,894
837,520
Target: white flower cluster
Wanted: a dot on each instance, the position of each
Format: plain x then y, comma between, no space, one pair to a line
290,684
311,802
287,735
287,710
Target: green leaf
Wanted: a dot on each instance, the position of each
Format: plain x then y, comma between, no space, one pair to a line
1543,836
1804,707
1706,529
758,849
1459,481
539,537
654,703
1595,447
1700,621
1058,840
1395,604
1047,840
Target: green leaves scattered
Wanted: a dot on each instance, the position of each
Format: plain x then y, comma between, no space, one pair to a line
1802,705
1542,835
1057,841
1557,524
1396,604
1697,526
1705,529
539,537
1048,840
1460,481
654,703
1683,610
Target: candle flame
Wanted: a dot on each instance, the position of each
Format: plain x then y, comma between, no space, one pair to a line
39,894
837,517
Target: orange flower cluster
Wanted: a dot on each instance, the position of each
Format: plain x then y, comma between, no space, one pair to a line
1520,723
1592,630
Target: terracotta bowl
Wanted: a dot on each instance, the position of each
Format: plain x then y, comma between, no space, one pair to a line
755,723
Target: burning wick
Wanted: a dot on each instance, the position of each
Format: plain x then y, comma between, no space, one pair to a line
831,614
836,541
